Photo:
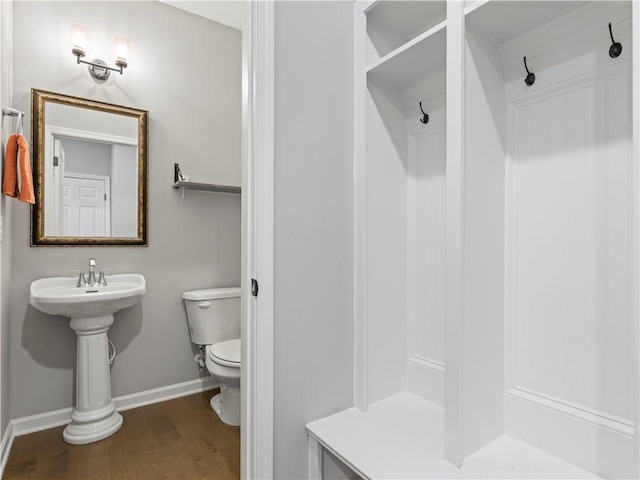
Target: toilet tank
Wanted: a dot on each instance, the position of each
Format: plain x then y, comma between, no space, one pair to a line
213,314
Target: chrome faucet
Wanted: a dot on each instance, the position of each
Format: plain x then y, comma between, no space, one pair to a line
81,280
92,273
101,281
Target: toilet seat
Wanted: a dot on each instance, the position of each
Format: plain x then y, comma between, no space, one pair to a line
226,353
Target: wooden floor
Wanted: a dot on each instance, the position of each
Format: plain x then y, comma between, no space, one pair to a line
178,439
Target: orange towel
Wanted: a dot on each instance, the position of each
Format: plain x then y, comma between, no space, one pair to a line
26,177
18,154
10,175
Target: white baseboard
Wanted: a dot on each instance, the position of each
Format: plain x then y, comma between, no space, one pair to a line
140,399
425,378
596,442
5,447
44,421
40,421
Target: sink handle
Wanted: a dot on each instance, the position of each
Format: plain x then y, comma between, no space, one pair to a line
102,281
81,280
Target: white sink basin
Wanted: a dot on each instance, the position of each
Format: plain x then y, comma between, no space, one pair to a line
91,310
60,296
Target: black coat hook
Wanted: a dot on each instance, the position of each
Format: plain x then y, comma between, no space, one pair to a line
616,48
425,117
531,77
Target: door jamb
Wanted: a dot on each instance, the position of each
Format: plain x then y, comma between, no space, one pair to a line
257,240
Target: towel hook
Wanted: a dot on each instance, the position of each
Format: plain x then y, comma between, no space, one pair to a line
425,117
10,112
616,48
20,123
531,77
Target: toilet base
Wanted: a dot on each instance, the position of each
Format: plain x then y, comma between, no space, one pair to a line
226,404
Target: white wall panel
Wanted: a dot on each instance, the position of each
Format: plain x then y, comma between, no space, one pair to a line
386,247
571,247
426,332
483,257
426,215
313,194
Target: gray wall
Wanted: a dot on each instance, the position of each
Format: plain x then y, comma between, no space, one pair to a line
81,156
186,71
5,215
124,174
91,120
313,222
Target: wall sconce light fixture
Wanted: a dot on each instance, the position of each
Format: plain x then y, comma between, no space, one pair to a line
79,37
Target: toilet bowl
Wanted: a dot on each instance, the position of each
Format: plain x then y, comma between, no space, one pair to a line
214,323
223,363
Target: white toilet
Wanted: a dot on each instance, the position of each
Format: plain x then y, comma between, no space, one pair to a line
214,322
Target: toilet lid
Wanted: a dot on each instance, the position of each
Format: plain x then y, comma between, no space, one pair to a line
226,353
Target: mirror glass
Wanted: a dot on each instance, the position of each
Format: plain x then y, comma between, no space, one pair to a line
90,172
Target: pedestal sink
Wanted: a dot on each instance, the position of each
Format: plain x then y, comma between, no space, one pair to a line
90,310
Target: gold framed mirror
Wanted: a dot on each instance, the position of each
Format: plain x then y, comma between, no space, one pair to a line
90,166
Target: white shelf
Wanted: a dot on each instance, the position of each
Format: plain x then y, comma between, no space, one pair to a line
473,5
402,437
390,24
412,61
209,187
501,21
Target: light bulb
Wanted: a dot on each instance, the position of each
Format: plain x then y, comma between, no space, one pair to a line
121,50
79,37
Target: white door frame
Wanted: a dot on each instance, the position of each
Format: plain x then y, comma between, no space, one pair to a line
54,176
635,19
257,240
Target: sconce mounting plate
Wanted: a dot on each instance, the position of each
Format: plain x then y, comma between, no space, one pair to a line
99,69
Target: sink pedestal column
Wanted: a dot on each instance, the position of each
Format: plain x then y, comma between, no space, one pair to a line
94,416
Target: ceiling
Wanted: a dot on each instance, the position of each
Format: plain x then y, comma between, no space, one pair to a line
227,12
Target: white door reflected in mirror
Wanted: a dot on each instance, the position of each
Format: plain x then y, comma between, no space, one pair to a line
86,206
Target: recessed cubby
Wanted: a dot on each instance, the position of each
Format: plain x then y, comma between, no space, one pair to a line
413,62
559,152
496,273
392,24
